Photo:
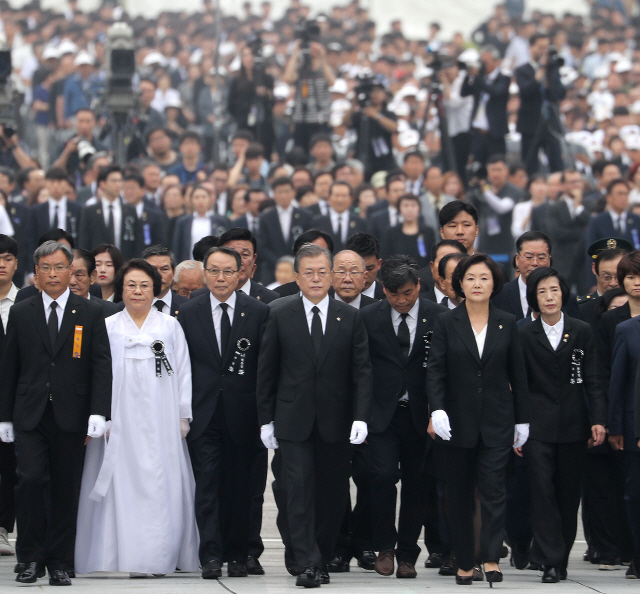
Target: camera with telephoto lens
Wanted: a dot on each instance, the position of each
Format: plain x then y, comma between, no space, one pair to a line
554,59
121,66
254,43
366,82
306,32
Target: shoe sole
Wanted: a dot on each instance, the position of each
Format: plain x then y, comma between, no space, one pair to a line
255,571
405,577
608,567
387,574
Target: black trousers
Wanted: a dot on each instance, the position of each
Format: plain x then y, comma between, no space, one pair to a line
302,134
555,476
258,485
8,481
485,145
518,526
461,144
49,472
632,494
280,496
551,146
485,467
222,470
316,475
398,453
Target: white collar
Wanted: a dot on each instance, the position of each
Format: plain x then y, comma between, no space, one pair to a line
11,295
335,213
522,287
231,302
323,306
246,288
56,203
438,293
413,312
284,210
61,301
556,328
355,303
371,291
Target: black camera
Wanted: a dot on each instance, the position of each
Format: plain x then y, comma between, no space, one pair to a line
254,43
363,89
306,32
554,59
121,66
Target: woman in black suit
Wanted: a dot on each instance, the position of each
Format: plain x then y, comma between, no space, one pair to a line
411,237
562,364
477,393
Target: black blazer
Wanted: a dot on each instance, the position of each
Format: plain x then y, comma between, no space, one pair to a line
484,397
558,409
323,223
108,307
93,231
182,234
154,226
257,291
211,378
391,371
587,308
509,300
605,334
19,215
33,373
539,217
38,223
177,301
379,225
496,107
530,110
399,243
296,390
32,291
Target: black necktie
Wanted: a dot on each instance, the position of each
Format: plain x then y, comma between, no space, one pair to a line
339,229
225,328
444,301
53,324
159,304
111,233
316,330
404,336
55,224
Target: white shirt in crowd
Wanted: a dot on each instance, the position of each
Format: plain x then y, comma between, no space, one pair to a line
523,296
117,217
340,221
58,207
200,227
284,216
216,312
6,303
480,338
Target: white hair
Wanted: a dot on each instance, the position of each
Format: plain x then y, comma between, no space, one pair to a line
186,265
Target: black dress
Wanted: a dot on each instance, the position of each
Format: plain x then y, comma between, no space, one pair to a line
417,246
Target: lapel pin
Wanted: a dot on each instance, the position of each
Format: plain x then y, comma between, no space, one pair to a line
564,340
297,215
566,336
424,319
242,315
73,311
352,224
338,319
258,297
500,326
176,312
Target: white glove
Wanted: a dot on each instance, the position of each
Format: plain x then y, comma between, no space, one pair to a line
97,425
521,435
441,424
268,436
184,427
6,432
358,432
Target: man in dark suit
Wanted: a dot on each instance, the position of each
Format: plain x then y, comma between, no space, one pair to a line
539,213
382,220
369,249
314,397
490,91
168,301
56,213
56,382
280,227
183,245
110,220
539,84
224,331
430,286
83,277
399,330
154,221
347,279
341,223
19,215
253,199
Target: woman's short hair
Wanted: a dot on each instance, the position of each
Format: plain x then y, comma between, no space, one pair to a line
629,264
143,266
536,277
409,198
468,262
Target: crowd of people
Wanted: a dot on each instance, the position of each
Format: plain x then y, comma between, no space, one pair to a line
334,243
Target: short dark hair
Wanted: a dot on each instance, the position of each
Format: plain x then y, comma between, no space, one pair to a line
442,265
159,250
534,38
536,277
533,236
603,304
243,135
153,131
410,154
319,137
399,270
281,181
468,262
116,255
364,244
143,266
223,250
393,178
88,257
56,173
630,264
320,174
201,247
446,242
496,158
105,172
254,151
452,209
8,173
409,198
56,235
189,135
8,245
310,236
613,183
335,184
607,256
135,177
238,234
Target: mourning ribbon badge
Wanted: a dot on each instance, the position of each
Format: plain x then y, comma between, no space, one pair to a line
157,346
242,346
576,366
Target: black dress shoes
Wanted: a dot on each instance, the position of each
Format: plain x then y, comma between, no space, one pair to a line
449,567
434,561
19,567
212,570
550,575
339,564
562,574
464,580
253,566
30,572
59,577
309,578
324,576
236,569
367,560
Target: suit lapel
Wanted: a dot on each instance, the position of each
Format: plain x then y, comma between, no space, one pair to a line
68,321
567,333
541,334
40,321
301,327
392,337
330,332
206,317
462,326
494,331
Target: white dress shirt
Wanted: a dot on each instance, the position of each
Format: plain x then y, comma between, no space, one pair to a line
61,207
554,333
439,294
200,227
62,303
371,291
324,207
323,306
394,216
338,219
140,208
117,217
284,216
412,321
246,288
166,308
6,303
216,312
523,296
573,211
458,108
6,227
619,221
355,303
480,338
252,223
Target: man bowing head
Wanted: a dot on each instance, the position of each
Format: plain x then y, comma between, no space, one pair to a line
314,397
55,390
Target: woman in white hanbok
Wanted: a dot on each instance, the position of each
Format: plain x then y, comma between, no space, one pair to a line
136,505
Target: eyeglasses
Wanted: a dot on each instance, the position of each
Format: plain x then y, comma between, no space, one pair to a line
144,287
529,257
605,277
58,268
215,272
345,273
309,274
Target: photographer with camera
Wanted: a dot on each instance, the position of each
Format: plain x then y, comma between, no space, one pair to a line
540,91
312,78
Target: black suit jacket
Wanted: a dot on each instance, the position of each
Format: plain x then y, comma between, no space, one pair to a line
296,390
108,307
154,226
484,397
33,372
182,234
323,223
509,300
539,217
605,334
38,223
19,215
177,301
587,309
93,231
496,108
32,291
530,110
392,371
379,225
558,411
212,381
